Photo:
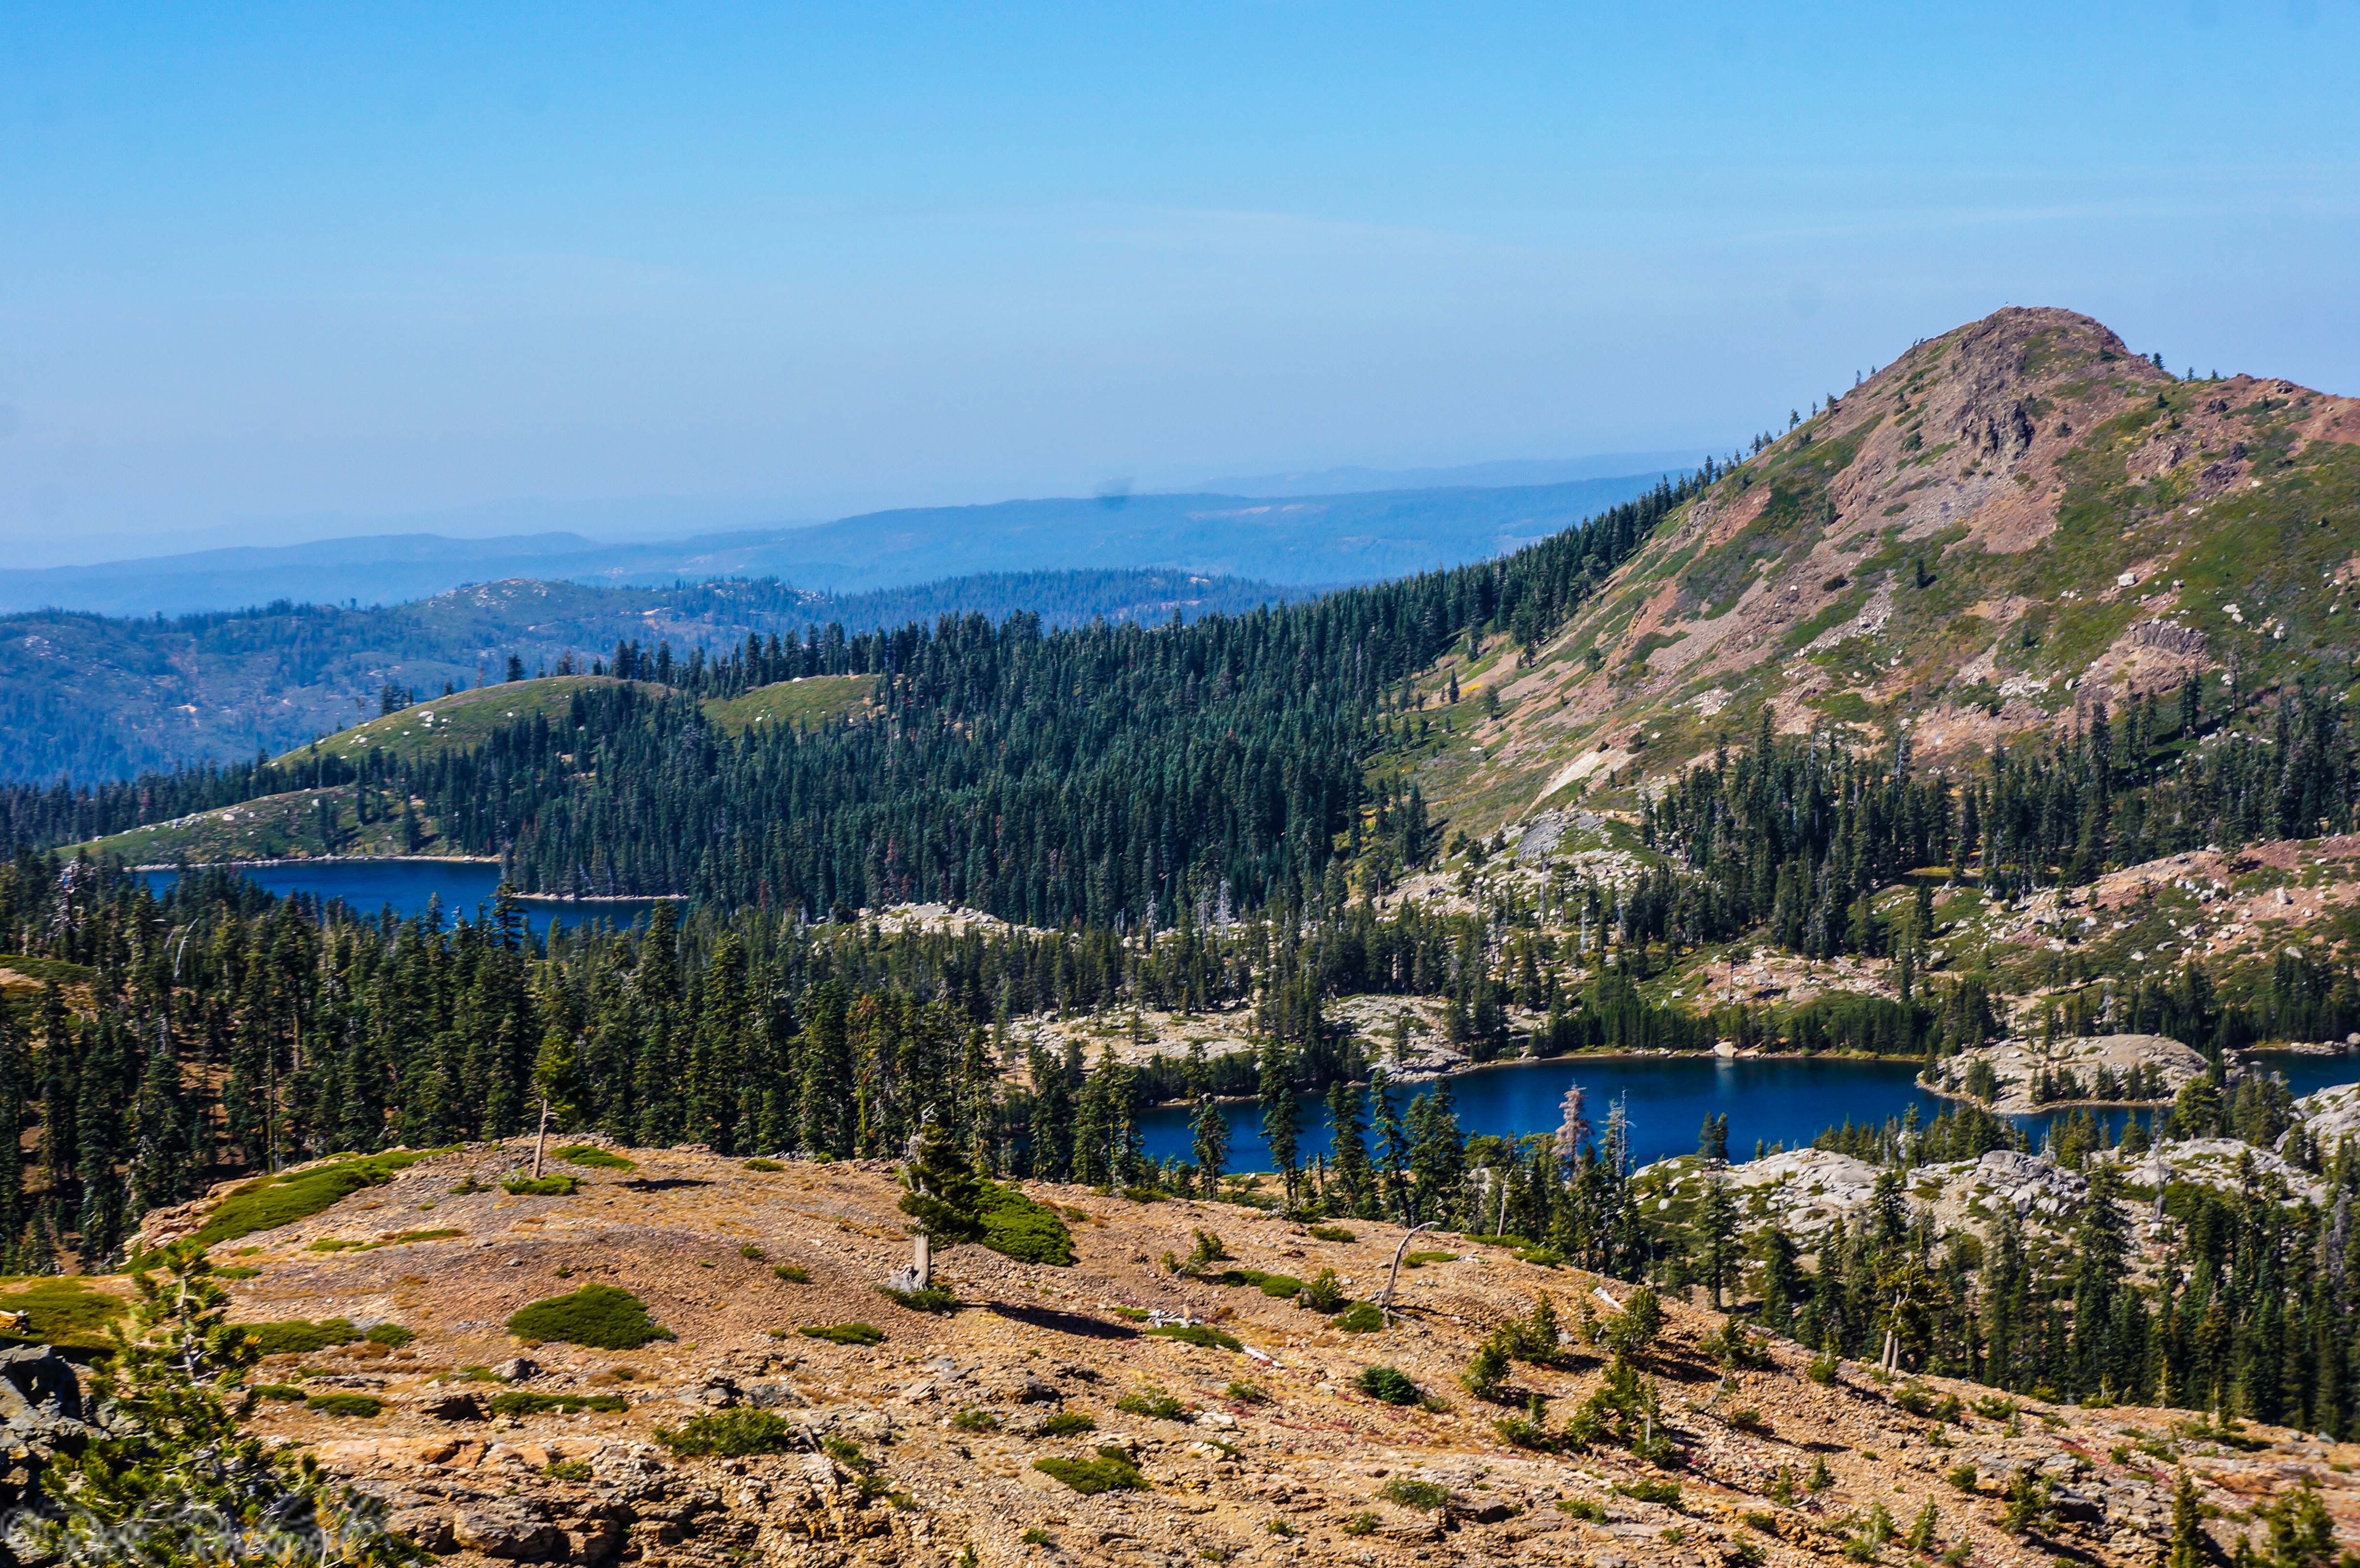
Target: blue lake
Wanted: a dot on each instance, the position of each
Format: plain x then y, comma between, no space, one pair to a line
409,886
1772,1100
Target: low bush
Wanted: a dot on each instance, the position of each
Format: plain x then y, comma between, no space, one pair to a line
1963,1476
1324,1293
595,1158
1331,1233
1204,1336
732,1434
1644,1490
1360,1524
974,1419
750,1252
65,1311
1016,1228
1414,1494
236,1271
1736,1348
1110,1471
521,1402
541,1186
283,1392
1036,1535
764,1165
1360,1317
1745,1418
1582,1508
1066,1423
933,1299
1147,1400
843,1332
599,1316
1390,1384
1822,1369
1420,1259
791,1273
566,1470
270,1201
299,1337
362,1406
1281,1286
390,1335
1247,1393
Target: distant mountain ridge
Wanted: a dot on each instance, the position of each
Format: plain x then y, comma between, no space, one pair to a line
1506,473
1293,541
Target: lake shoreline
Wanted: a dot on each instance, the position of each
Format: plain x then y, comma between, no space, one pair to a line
520,898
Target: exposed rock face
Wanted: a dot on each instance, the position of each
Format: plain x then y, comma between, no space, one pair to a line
42,1409
2091,1063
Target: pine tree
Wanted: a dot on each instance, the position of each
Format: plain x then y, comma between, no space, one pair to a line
1209,1135
941,1196
1281,1122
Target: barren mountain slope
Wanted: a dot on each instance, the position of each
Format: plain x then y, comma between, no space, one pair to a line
2012,519
921,1449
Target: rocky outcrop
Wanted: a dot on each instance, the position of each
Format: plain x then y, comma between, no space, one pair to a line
2026,1075
41,1415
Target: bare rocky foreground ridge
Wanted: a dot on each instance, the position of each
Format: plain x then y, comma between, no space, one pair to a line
919,1449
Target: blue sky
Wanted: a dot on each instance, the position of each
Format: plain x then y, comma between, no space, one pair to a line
319,270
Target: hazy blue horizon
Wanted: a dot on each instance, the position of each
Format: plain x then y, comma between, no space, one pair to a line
267,262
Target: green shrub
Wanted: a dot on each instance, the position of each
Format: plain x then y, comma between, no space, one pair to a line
1645,1491
236,1271
1145,1195
269,1201
1066,1423
1963,1476
1360,1317
791,1273
1412,1494
566,1470
1281,1286
283,1392
1209,1248
595,1158
299,1337
1387,1383
1111,1471
1733,1347
1745,1418
390,1335
1204,1336
1247,1393
599,1316
843,1332
1582,1508
1324,1292
1017,1227
1036,1535
1822,1369
751,1252
974,1419
933,1299
1331,1233
1360,1524
359,1405
732,1434
521,1402
66,1310
1420,1259
541,1186
764,1165
1148,1399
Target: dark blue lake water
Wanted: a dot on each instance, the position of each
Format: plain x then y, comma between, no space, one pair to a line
464,886
1772,1100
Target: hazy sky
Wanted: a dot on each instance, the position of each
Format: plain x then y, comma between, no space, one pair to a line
649,263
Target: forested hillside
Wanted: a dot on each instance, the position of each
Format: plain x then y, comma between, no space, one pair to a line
92,697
